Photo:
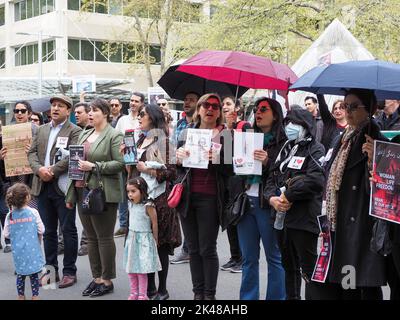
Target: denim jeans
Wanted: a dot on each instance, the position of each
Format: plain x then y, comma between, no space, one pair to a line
123,214
254,226
52,209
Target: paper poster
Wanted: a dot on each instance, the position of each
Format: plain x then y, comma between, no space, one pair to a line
155,93
76,153
244,144
198,143
84,84
15,138
130,152
385,191
324,258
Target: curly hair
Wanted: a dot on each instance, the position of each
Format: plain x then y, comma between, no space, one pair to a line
17,195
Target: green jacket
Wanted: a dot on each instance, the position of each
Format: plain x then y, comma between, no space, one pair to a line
105,152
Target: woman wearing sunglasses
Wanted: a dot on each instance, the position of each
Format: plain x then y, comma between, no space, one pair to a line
297,167
202,203
22,112
159,172
257,224
347,204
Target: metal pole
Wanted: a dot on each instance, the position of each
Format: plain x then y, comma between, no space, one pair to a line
40,62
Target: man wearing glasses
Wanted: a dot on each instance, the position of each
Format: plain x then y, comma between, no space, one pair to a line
116,107
128,122
57,134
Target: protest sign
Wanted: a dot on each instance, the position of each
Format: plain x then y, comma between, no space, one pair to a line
322,265
76,153
244,144
15,138
385,190
198,143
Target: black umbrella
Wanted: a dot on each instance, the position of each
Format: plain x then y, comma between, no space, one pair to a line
41,104
177,84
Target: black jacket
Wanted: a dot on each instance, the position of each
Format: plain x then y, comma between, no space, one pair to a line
222,174
305,193
351,245
389,123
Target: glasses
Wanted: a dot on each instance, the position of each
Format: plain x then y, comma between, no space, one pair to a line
207,105
23,111
142,114
162,104
353,106
261,109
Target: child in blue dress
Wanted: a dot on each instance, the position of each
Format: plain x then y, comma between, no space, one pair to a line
140,253
24,228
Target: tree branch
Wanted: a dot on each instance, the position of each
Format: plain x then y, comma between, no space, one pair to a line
302,35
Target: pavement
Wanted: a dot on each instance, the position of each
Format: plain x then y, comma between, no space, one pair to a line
179,282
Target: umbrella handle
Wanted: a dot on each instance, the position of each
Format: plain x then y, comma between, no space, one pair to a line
237,86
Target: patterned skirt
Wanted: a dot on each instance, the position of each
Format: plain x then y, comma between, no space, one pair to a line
140,253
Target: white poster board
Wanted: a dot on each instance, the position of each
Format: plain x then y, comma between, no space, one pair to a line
198,143
84,83
155,93
244,144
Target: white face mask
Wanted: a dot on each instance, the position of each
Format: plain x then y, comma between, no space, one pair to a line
293,131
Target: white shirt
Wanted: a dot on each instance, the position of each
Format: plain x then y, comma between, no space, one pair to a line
127,122
54,131
254,189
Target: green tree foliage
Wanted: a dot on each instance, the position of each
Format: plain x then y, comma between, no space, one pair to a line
284,29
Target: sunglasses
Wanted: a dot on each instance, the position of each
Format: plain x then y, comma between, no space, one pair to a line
261,109
162,104
353,106
23,111
142,114
207,105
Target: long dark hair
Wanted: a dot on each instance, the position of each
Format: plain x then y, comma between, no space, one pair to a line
277,126
157,117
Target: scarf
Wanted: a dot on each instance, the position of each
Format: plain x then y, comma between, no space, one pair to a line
335,177
253,179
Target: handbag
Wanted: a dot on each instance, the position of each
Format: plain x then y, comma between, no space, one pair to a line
237,208
174,197
94,200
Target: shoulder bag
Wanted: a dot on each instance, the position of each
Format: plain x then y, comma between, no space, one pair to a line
175,195
94,200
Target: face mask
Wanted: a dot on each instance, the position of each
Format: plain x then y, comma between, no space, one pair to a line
293,131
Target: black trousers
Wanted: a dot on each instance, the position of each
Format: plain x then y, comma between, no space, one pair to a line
299,254
200,228
234,247
393,272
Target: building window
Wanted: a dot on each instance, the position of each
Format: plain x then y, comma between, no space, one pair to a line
102,51
29,54
31,8
2,15
2,59
99,6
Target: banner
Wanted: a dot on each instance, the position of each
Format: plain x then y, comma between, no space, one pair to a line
15,138
385,189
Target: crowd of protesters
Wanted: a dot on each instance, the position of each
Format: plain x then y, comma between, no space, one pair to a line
322,158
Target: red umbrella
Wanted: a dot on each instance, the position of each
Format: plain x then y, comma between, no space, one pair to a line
241,69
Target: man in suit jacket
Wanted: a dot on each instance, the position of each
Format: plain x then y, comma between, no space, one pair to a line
47,168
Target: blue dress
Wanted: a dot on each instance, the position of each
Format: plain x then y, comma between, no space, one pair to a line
140,252
26,249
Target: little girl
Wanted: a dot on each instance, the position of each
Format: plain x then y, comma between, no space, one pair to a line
24,228
140,254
